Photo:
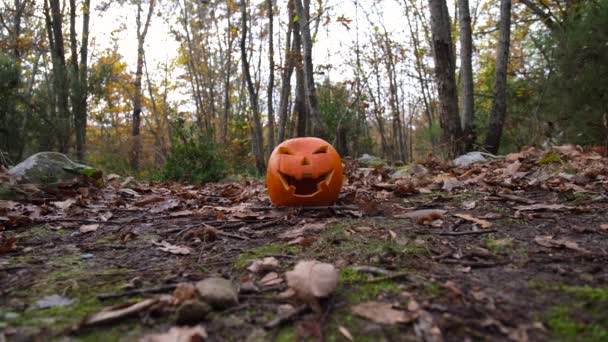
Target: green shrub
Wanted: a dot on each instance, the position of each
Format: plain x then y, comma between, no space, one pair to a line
193,158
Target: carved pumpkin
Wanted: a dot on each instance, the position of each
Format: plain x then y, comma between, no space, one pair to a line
304,172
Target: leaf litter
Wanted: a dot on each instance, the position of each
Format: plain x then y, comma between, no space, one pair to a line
169,237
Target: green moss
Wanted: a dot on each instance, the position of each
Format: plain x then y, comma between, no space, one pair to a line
498,246
550,157
358,289
286,334
246,258
583,318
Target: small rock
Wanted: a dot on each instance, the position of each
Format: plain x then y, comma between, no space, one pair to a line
192,312
367,159
51,167
53,301
218,292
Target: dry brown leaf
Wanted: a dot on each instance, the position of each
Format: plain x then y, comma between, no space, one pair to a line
382,313
305,229
115,312
270,279
313,279
540,206
178,334
604,227
550,242
173,249
89,228
420,213
345,333
184,292
264,265
480,222
148,200
64,204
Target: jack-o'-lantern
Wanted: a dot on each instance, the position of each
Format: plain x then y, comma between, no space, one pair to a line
304,172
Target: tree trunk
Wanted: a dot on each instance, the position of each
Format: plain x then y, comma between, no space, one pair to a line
257,136
499,103
452,136
287,74
466,72
60,77
227,79
137,96
80,78
303,10
271,142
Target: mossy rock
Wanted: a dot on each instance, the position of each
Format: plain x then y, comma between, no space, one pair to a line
51,167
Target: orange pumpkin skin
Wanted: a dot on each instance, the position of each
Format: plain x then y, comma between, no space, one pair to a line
304,172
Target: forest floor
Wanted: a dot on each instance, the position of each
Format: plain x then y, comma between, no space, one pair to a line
514,249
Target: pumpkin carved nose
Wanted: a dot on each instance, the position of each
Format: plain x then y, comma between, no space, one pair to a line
305,161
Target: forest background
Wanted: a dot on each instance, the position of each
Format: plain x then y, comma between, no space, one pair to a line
197,90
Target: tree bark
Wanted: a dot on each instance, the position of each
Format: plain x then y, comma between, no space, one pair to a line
303,10
137,96
466,72
60,77
271,142
228,77
257,134
452,136
499,103
286,74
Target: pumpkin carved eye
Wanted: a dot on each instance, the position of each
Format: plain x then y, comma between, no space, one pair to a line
284,150
322,149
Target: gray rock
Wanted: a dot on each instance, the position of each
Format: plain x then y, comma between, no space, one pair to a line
53,301
218,292
409,170
192,312
370,160
472,157
50,167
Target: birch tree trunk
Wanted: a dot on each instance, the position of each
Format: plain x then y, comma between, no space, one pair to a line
257,134
452,136
499,103
466,74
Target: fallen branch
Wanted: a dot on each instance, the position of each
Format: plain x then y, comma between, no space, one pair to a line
159,289
372,270
472,232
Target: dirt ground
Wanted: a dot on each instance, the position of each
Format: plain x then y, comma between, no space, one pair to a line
524,259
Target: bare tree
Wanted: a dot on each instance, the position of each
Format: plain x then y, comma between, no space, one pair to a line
142,31
303,11
466,73
452,136
271,76
287,73
499,102
258,138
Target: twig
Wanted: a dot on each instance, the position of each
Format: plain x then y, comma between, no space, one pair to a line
516,198
281,319
474,263
372,270
472,232
235,236
104,296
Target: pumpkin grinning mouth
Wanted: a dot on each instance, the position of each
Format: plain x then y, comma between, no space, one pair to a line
307,186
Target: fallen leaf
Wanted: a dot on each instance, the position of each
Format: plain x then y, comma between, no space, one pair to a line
54,301
382,313
184,292
178,334
480,222
604,227
7,244
116,312
165,206
264,265
64,204
540,207
345,333
550,242
270,279
173,249
419,213
88,228
306,228
313,279
469,205
148,200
